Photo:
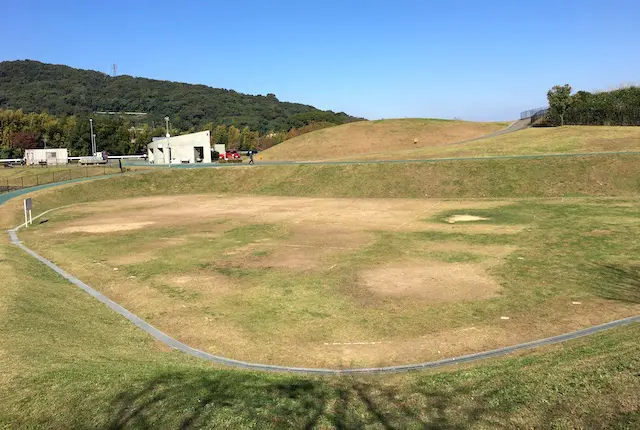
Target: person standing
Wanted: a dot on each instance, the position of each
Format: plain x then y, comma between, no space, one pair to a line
251,157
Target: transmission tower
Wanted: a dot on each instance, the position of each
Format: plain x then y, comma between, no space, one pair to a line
115,70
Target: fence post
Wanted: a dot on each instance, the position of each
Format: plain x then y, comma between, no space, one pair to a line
86,172
22,182
37,179
54,176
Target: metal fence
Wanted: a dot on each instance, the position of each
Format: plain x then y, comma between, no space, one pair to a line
534,112
19,177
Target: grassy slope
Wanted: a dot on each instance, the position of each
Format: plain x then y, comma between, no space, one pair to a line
370,137
554,177
31,176
559,140
66,361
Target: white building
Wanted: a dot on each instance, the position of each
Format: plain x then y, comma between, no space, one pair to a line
50,156
187,148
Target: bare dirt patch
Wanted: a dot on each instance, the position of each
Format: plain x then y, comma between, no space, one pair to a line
598,232
464,218
431,281
340,213
308,247
106,228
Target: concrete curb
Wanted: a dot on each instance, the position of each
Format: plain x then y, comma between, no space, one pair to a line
176,344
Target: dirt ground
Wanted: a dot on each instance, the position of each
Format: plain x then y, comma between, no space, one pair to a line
320,289
347,214
432,281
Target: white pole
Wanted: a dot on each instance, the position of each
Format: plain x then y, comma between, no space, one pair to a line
93,149
30,217
26,219
166,118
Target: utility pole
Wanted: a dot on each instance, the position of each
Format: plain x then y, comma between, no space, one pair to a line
93,144
166,119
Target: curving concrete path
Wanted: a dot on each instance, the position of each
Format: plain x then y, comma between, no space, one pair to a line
176,344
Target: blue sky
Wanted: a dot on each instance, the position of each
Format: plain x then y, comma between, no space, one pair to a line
478,60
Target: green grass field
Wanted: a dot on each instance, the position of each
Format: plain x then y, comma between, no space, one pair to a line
67,361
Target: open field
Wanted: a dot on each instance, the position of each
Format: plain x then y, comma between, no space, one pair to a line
553,177
66,361
350,282
360,139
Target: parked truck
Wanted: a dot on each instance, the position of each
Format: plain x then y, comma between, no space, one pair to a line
97,158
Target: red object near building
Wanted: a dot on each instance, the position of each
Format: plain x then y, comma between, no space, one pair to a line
230,155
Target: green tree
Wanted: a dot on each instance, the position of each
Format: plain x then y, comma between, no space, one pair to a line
233,137
248,139
559,98
220,136
61,90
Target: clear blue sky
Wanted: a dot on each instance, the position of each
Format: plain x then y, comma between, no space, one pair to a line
479,60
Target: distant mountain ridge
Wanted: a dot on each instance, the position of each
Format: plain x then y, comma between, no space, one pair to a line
62,90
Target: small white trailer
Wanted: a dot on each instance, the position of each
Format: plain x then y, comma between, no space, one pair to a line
97,158
49,156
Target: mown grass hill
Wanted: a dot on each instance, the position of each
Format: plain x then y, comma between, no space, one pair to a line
61,90
394,140
382,137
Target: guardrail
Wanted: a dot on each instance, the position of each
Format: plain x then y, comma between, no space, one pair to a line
533,112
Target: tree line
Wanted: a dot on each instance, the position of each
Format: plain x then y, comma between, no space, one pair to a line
64,91
20,131
118,135
616,107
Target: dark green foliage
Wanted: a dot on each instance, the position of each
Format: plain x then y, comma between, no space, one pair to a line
37,87
617,107
116,135
559,98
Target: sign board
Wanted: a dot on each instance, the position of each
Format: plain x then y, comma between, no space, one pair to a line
28,204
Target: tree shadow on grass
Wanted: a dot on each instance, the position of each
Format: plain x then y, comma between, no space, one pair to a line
618,282
227,399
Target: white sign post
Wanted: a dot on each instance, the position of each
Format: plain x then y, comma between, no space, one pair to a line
28,205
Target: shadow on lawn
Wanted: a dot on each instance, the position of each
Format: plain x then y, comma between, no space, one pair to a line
239,400
617,282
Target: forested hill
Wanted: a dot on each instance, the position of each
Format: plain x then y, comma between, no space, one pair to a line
35,87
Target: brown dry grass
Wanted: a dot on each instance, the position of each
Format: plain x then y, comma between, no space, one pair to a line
531,141
373,137
283,280
339,214
432,282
